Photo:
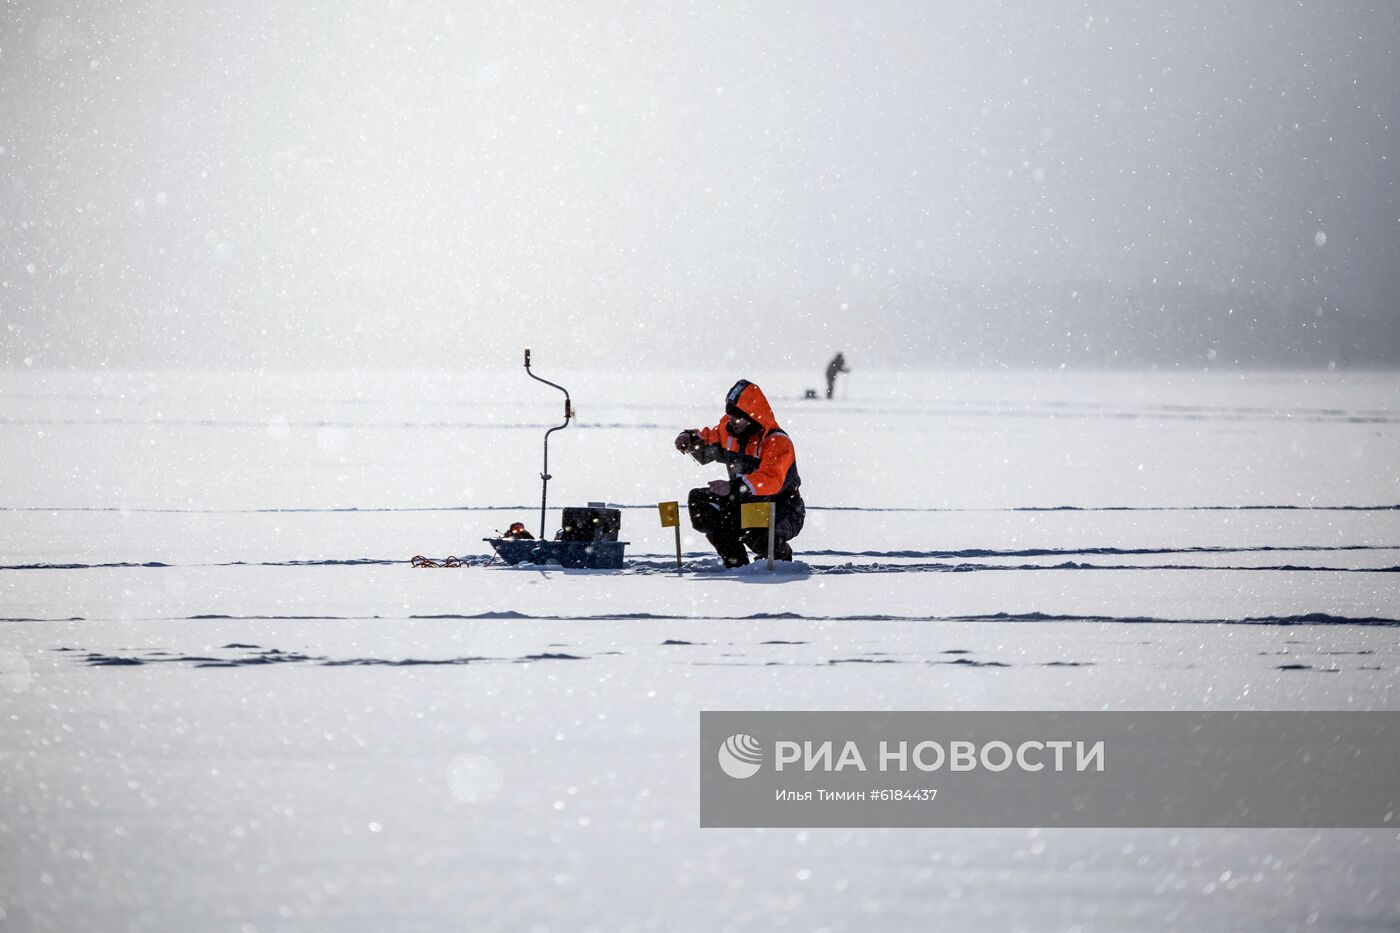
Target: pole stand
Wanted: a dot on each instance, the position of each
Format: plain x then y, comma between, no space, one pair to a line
568,416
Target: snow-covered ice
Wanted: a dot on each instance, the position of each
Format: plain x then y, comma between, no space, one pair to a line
229,702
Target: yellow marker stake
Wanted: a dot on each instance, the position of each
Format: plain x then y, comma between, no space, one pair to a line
671,518
759,515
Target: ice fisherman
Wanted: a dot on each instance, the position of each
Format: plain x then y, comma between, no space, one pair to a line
762,467
837,365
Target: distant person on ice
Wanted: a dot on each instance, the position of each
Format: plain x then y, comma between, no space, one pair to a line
837,365
762,468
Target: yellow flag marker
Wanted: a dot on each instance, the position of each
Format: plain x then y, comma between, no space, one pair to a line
671,518
759,515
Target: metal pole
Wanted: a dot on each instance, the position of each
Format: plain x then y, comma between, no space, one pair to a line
772,531
568,414
678,545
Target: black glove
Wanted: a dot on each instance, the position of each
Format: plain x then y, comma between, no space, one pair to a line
686,440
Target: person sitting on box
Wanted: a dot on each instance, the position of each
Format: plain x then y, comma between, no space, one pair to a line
762,464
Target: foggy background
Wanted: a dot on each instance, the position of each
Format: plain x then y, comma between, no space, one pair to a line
954,184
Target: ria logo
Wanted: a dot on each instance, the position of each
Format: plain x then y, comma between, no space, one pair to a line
741,756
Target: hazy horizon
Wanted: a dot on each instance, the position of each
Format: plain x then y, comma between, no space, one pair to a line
918,184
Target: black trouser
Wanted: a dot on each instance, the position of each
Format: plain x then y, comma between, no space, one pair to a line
717,518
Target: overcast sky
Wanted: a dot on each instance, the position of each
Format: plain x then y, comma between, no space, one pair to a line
426,184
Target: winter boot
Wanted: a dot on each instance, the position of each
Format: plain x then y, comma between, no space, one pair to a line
730,550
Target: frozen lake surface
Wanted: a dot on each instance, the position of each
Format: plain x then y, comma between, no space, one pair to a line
230,703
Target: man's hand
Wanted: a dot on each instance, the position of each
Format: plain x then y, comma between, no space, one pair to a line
719,487
684,440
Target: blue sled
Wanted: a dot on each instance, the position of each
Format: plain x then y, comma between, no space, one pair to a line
592,555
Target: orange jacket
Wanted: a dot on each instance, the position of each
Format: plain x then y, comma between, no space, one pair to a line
762,461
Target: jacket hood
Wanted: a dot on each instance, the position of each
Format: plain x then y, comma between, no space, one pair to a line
746,400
